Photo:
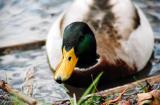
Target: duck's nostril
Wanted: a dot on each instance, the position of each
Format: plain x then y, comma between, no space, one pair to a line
59,80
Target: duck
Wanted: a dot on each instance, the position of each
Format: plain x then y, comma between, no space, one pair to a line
94,36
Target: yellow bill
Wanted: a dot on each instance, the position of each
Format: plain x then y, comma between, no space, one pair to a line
67,65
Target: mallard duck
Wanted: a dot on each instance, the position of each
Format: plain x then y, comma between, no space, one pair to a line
93,36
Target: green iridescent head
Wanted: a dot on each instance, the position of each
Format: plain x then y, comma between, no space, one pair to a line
78,49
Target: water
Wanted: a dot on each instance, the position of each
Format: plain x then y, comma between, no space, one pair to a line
29,72
23,21
27,20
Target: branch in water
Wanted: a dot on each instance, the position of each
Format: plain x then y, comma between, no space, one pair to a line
29,100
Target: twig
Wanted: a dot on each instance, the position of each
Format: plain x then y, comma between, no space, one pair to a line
116,99
6,87
119,96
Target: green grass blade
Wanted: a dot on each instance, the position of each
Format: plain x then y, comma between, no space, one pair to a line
17,101
73,100
91,88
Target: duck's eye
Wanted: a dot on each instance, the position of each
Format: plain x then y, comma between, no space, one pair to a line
69,58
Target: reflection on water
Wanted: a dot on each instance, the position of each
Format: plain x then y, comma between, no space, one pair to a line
24,20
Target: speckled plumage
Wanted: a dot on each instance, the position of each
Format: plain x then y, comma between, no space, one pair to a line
123,35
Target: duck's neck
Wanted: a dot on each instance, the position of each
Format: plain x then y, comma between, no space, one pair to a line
87,60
